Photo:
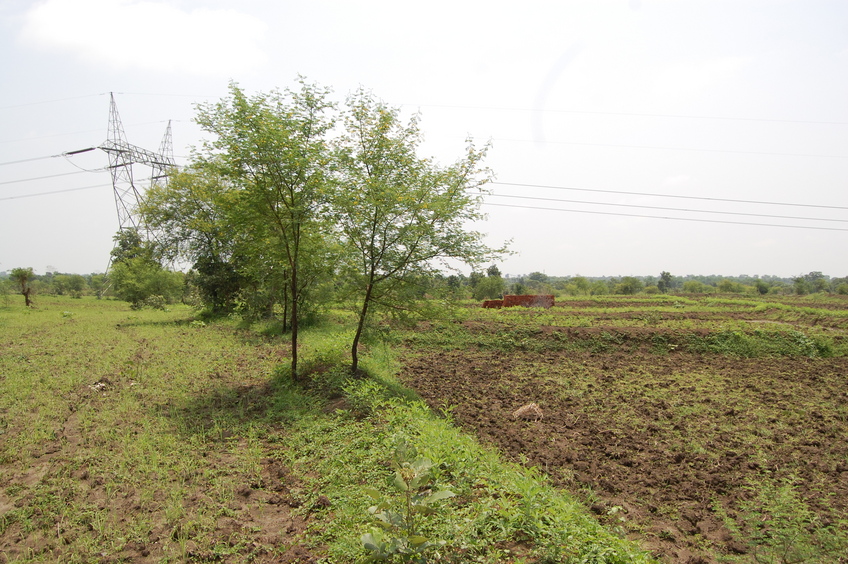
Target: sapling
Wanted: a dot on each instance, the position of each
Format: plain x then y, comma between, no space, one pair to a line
397,536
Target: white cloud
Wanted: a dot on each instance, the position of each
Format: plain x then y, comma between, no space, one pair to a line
683,79
132,34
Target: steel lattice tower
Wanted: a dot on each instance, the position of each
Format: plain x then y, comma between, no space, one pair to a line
122,157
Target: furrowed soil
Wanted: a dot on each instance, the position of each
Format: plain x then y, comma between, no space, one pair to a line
693,432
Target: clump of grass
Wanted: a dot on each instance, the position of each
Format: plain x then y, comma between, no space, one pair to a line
500,513
761,343
783,529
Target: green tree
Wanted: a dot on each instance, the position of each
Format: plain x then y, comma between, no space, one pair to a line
273,147
664,283
474,278
518,288
191,216
581,284
493,270
144,282
76,285
59,283
599,288
729,286
136,275
801,285
489,288
97,283
399,214
23,278
696,287
629,285
539,277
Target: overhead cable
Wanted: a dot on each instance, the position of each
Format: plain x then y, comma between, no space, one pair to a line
669,195
664,217
51,176
51,101
630,114
55,192
65,154
668,209
658,148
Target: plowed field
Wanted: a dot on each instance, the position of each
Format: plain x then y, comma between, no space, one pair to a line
709,432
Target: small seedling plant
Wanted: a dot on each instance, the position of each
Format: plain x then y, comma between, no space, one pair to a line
397,536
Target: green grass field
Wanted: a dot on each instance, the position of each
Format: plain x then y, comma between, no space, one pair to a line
151,436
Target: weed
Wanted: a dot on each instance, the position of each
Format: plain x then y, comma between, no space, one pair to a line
400,534
783,529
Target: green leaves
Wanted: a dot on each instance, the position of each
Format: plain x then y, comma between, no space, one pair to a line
278,188
399,531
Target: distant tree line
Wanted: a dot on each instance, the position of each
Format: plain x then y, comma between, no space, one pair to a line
540,283
154,286
25,281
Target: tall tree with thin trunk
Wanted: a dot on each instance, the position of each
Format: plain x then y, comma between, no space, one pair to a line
274,148
399,215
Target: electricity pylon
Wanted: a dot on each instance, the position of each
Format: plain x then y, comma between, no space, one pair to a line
122,157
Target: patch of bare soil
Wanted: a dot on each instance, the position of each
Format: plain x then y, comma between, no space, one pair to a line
259,524
662,440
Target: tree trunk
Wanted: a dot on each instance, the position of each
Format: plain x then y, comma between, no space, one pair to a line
27,299
285,308
354,349
294,323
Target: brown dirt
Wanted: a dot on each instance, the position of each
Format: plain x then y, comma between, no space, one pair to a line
654,443
259,520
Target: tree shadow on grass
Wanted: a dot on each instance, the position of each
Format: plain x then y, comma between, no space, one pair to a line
230,410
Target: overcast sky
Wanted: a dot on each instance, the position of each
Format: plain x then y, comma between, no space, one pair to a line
606,118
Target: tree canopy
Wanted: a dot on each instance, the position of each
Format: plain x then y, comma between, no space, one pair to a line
397,213
291,196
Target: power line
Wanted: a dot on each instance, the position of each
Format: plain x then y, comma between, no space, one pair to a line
658,148
51,101
24,139
629,114
670,209
65,154
55,192
669,195
51,176
29,160
663,217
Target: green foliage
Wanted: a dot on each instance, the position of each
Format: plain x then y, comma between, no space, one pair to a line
577,286
518,289
399,214
599,288
629,285
664,284
760,343
696,287
144,283
272,149
729,286
400,537
136,275
784,530
23,279
489,288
